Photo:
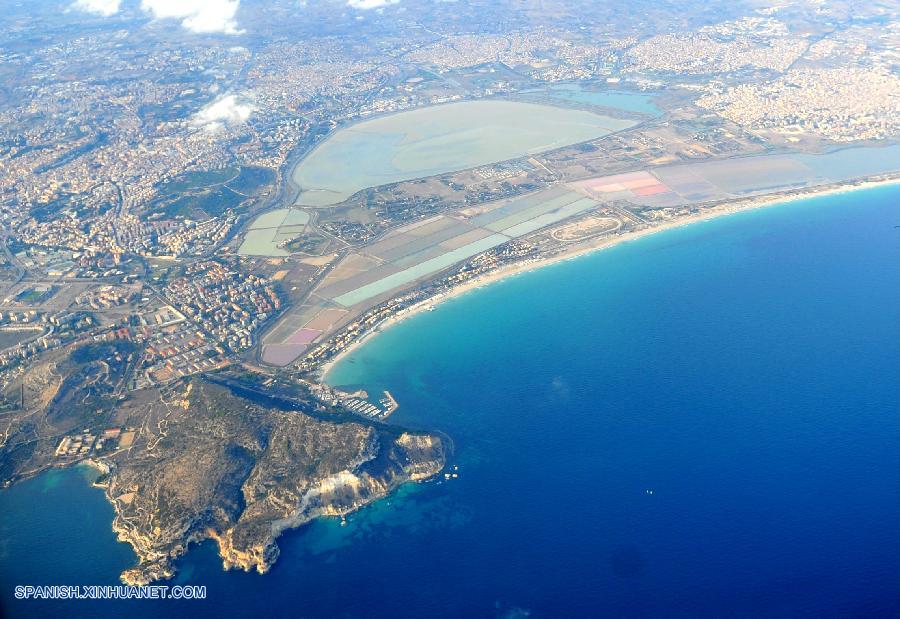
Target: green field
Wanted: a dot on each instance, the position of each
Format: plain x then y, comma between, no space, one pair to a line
210,193
251,180
35,295
193,181
211,203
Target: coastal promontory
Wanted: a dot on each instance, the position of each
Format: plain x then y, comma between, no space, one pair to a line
202,460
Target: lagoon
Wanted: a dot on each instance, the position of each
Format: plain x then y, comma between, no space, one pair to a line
641,103
270,229
439,139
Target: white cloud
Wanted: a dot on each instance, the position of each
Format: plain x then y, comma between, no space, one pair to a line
197,15
370,4
100,7
226,110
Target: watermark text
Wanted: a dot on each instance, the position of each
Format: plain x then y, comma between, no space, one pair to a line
110,592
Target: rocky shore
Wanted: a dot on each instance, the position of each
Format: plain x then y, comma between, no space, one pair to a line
226,469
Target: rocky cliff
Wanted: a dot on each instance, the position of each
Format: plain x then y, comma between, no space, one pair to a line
209,464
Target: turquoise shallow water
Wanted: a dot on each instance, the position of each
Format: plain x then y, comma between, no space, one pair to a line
633,102
701,423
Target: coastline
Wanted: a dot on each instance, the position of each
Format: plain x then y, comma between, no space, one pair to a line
720,210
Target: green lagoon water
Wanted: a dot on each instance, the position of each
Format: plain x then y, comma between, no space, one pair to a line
439,139
269,229
631,101
698,424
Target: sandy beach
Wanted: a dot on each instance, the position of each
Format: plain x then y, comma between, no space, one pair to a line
726,208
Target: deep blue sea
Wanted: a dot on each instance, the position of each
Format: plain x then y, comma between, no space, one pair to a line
700,424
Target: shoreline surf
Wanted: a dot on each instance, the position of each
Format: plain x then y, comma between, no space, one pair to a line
715,212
